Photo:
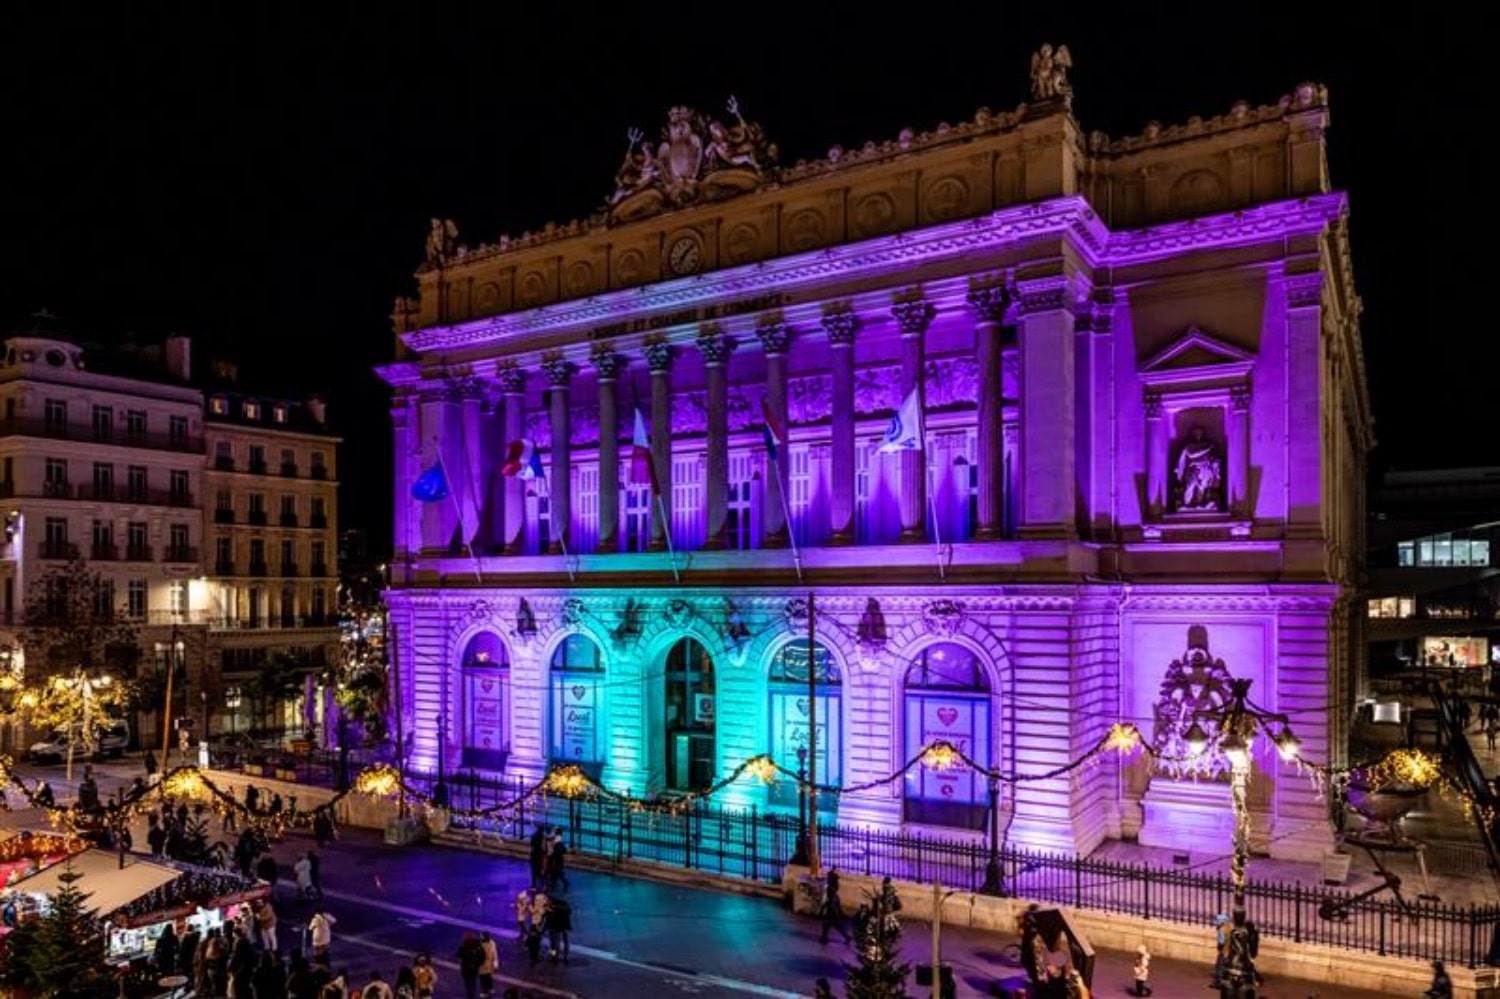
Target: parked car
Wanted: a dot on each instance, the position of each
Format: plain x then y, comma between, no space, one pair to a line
111,742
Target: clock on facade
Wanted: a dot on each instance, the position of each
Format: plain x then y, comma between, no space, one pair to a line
684,256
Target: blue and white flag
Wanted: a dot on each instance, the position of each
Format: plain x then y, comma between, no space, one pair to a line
431,485
905,431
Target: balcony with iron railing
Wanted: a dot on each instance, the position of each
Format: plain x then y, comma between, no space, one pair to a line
319,472
22,426
223,516
223,464
138,553
57,550
180,553
224,567
256,518
259,569
53,489
272,622
288,520
288,469
289,568
320,569
318,520
109,552
257,467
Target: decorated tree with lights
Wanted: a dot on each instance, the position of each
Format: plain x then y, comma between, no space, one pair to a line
80,653
880,974
359,675
62,953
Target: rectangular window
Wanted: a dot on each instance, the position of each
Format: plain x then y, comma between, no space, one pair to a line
218,405
135,598
179,482
103,536
289,555
136,483
257,555
135,425
635,506
1406,554
799,489
223,555
1442,550
178,535
744,525
56,531
104,423
224,500
320,557
258,459
55,480
55,416
135,541
224,456
177,430
104,480
1479,552
104,598
289,507
585,507
319,470
288,462
687,501
177,597
863,490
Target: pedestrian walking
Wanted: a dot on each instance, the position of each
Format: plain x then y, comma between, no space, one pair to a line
559,929
187,952
268,870
406,983
303,870
538,855
265,925
556,863
425,975
539,902
323,827
533,944
165,954
490,966
1491,732
320,933
1442,985
1141,972
377,988
523,913
1221,948
470,957
832,910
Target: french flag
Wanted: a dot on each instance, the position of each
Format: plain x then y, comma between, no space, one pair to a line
642,470
523,460
774,431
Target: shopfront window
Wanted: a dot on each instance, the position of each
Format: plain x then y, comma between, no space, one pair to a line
947,697
1455,652
577,672
486,685
1393,607
791,713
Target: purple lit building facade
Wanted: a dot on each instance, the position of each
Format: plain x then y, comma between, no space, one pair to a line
1145,436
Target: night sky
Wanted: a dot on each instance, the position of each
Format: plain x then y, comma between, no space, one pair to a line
263,182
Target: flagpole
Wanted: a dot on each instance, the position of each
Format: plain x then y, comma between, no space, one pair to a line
786,516
937,539
562,537
457,510
666,529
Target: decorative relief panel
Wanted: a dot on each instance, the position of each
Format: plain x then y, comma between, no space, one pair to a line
744,410
630,267
742,243
874,215
583,426
809,399
877,390
952,381
946,198
533,288
689,413
806,230
580,277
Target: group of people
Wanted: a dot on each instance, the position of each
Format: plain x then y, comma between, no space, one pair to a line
242,959
540,915
548,856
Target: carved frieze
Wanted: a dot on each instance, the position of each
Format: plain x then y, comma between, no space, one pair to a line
583,426
678,613
689,413
809,399
952,381
943,617
572,611
877,389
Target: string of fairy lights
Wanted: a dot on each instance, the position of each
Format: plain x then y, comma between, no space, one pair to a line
1407,768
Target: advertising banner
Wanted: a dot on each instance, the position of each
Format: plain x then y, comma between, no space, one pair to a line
575,717
789,730
963,721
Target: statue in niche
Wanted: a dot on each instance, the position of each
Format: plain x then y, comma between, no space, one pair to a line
1195,684
1198,474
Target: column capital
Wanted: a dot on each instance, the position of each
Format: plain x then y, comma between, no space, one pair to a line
608,363
658,356
714,346
774,338
559,370
839,326
914,316
1154,409
1304,291
463,387
990,301
512,378
1239,398
1048,294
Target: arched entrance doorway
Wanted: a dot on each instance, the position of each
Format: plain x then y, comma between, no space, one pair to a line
486,706
790,714
689,717
947,698
577,673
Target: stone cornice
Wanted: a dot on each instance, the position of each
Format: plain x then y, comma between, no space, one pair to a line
1070,217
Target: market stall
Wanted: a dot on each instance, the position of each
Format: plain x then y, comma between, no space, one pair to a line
24,852
141,898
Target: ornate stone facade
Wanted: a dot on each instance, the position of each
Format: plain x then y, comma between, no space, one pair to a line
1094,477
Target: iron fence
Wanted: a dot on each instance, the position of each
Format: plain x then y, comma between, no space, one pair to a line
757,845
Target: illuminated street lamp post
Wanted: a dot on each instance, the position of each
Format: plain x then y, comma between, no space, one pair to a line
440,789
1235,724
994,882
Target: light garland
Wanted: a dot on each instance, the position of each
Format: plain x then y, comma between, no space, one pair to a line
379,781
186,783
1406,766
942,756
763,768
569,781
1123,738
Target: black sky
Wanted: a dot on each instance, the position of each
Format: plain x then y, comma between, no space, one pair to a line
263,180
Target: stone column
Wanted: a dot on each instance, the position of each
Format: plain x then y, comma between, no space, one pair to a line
913,318
407,540
840,327
609,365
559,486
715,348
1157,447
513,384
1237,450
659,361
989,305
774,338
1048,476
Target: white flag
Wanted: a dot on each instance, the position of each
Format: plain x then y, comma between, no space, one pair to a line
905,431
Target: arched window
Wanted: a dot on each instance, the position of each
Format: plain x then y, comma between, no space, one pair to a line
690,716
486,708
577,672
791,711
947,697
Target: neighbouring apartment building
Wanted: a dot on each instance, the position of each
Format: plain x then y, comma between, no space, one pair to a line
103,458
1054,428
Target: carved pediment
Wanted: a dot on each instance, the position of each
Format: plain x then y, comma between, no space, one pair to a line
1196,356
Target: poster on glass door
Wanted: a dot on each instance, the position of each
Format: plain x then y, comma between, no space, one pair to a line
962,721
789,730
575,719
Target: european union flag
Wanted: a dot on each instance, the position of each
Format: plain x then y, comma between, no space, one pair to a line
431,485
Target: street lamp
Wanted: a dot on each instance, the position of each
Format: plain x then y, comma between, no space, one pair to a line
1235,725
994,881
799,849
440,789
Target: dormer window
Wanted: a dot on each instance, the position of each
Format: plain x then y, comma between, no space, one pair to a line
218,405
278,414
252,410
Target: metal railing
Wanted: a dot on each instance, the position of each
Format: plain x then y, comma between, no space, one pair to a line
33,427
757,845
